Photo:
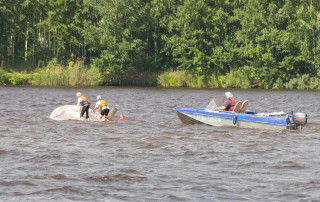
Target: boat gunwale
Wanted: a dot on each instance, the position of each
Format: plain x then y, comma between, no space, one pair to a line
272,120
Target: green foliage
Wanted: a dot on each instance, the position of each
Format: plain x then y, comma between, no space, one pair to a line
242,78
16,78
3,77
75,75
179,79
292,84
146,80
278,84
196,43
171,79
314,83
304,82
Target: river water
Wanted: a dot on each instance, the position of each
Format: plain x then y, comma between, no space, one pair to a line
152,156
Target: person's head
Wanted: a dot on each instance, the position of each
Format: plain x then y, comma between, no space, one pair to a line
98,97
78,94
228,94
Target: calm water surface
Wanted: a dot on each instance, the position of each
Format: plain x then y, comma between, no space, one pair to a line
152,156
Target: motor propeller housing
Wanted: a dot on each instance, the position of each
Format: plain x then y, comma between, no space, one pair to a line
300,118
297,120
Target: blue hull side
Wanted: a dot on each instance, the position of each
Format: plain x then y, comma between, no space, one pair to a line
236,117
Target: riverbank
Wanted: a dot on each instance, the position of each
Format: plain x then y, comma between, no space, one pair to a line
80,75
237,79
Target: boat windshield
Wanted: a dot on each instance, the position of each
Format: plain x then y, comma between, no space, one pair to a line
214,103
211,106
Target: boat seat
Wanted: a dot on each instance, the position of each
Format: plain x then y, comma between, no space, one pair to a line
244,106
237,107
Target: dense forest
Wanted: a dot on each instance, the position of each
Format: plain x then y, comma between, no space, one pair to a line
215,43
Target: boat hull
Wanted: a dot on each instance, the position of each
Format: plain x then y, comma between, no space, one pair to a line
231,119
71,112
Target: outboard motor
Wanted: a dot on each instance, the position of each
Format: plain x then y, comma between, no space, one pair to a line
297,121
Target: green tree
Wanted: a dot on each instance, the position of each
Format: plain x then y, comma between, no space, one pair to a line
5,24
201,38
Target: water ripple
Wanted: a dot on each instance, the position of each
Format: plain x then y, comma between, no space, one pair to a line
152,156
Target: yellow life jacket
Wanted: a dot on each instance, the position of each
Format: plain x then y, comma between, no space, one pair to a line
84,101
103,103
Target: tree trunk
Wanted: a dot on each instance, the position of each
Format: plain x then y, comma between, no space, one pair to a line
49,39
54,46
13,43
34,39
147,48
2,61
155,42
9,49
57,51
85,52
44,40
26,47
314,43
39,36
82,51
38,41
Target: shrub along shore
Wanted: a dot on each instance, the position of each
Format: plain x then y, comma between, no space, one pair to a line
192,43
236,79
78,74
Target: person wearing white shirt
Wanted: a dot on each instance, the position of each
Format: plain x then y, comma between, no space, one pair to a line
103,106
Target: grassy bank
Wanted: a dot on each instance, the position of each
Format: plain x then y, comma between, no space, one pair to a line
77,74
243,78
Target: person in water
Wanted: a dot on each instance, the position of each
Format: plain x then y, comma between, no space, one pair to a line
229,103
84,105
103,106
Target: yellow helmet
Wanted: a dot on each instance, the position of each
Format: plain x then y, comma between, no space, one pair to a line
78,94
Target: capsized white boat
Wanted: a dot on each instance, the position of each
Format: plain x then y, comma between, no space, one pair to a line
72,112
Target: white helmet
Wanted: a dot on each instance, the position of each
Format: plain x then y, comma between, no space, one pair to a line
98,97
228,94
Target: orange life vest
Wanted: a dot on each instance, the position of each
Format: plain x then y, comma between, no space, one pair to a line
233,103
84,101
103,103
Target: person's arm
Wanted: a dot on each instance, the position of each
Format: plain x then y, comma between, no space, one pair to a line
225,105
79,100
78,103
222,108
97,106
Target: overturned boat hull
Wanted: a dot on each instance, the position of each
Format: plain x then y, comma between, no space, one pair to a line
245,120
72,112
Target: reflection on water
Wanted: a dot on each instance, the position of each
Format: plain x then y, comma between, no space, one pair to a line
151,155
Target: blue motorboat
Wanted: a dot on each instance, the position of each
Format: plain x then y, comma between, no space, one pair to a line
246,119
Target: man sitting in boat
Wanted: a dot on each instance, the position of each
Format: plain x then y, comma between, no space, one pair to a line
229,103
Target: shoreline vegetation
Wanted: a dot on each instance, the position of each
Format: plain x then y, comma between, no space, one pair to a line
190,43
78,74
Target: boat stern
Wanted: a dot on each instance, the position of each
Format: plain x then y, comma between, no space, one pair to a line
297,121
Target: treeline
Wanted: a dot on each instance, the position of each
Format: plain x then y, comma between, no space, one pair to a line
218,43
